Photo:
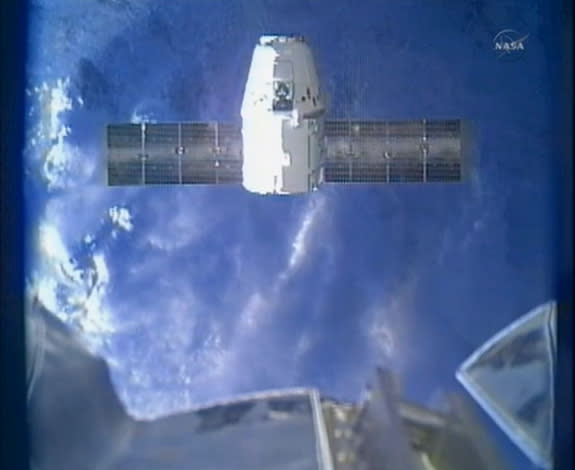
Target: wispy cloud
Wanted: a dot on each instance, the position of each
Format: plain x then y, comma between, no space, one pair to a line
59,163
259,316
303,236
121,217
301,243
178,218
73,291
390,328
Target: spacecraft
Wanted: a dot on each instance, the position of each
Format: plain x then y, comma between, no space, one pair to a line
284,144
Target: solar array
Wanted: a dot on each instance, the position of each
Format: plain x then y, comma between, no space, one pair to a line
174,153
423,151
393,151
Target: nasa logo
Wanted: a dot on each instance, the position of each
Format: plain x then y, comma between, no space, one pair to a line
508,43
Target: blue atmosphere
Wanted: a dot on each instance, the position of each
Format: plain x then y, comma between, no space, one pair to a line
198,293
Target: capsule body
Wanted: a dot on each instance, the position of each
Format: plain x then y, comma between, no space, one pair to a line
282,118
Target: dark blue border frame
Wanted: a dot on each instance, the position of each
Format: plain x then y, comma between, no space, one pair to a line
562,77
13,49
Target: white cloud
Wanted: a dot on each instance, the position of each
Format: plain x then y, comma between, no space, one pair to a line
251,315
177,341
45,289
52,102
303,345
390,328
62,164
102,273
51,242
215,361
57,162
73,290
383,337
67,211
178,218
303,238
121,217
77,304
258,316
256,307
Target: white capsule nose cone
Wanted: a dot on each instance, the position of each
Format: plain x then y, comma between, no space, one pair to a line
269,39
